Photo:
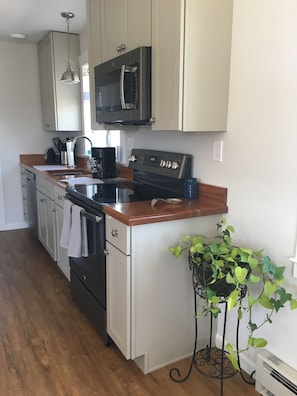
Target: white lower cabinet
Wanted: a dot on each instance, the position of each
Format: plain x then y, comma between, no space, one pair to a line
46,223
118,299
150,305
62,253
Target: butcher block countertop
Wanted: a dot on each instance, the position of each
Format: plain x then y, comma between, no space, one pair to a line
212,200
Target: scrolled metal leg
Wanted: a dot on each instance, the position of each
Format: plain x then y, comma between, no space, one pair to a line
175,370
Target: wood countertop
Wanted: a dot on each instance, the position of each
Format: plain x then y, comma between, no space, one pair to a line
212,200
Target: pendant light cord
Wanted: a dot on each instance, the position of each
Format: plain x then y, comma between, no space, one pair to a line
68,41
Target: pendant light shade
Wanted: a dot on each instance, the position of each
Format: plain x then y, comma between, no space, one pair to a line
69,76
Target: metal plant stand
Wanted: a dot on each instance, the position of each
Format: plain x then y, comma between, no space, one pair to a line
210,361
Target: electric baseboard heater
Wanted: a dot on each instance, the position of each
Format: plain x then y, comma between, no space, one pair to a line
274,377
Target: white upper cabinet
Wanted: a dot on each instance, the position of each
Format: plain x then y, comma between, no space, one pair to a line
115,27
191,46
125,25
61,103
94,52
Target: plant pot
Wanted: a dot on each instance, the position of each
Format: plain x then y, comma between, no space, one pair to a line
203,275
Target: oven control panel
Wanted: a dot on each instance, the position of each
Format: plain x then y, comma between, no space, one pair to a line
176,165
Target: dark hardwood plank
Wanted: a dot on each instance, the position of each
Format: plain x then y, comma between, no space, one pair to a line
48,347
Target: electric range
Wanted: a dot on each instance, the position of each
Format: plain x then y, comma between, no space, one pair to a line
157,174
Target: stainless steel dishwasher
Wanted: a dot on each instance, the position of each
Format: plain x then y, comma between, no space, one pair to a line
31,202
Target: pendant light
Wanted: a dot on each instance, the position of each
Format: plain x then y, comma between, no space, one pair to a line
69,76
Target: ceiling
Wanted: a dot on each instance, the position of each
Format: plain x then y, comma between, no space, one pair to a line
35,18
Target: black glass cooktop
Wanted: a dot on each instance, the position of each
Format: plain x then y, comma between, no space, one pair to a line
110,192
103,193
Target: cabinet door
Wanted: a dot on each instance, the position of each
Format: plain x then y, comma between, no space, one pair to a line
113,27
167,63
46,224
51,230
125,25
42,218
139,24
47,84
191,41
118,299
94,53
61,103
62,254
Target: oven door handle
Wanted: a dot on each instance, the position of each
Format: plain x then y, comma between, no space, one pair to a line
92,217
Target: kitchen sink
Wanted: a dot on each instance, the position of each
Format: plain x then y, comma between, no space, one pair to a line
69,172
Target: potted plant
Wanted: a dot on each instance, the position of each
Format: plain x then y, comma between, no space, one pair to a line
238,276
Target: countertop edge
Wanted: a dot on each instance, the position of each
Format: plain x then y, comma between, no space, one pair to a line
212,200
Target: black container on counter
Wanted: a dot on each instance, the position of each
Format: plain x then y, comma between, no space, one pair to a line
105,163
191,188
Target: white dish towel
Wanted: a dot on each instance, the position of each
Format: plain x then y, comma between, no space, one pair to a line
74,231
65,233
78,241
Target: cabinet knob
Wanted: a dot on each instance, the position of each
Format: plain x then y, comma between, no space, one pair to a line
114,233
84,277
106,252
121,47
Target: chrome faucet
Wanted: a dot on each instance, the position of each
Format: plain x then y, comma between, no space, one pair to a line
72,147
77,138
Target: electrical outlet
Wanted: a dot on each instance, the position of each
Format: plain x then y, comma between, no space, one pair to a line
130,144
217,151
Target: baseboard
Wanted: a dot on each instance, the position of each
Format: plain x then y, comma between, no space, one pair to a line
13,226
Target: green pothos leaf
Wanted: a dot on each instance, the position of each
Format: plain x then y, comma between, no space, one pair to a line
293,304
233,360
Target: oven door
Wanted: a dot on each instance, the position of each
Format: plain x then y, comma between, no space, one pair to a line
88,274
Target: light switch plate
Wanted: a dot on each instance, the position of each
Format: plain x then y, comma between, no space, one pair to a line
217,151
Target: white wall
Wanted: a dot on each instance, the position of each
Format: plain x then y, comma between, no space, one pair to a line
259,161
20,124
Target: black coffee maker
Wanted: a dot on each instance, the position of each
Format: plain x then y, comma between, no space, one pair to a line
104,163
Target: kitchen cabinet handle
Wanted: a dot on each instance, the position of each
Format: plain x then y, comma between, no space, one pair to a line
106,252
114,233
42,200
121,47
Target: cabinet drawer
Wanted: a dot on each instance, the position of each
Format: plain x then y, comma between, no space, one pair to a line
91,271
118,234
45,186
59,196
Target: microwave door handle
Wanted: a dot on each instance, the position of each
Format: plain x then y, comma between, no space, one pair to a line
122,91
126,69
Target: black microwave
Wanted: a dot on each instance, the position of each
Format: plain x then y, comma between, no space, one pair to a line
123,89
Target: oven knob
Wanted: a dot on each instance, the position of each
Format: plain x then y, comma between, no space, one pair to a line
162,163
168,164
175,165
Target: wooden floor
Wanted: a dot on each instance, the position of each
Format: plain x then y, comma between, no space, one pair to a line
48,348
